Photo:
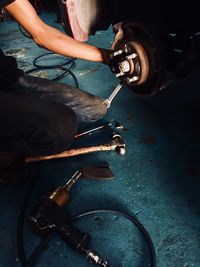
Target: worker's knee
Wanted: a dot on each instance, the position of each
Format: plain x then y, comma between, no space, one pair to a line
93,109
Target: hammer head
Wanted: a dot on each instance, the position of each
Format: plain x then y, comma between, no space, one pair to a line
117,144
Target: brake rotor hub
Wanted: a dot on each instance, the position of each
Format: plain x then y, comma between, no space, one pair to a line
135,58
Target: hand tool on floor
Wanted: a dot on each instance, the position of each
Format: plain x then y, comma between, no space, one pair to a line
116,125
49,214
109,100
101,127
117,144
92,172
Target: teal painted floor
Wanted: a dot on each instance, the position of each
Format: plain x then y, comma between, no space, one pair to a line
158,179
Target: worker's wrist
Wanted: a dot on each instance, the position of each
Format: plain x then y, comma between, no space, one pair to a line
106,56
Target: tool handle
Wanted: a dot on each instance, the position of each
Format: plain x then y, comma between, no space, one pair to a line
109,100
74,237
72,153
116,90
60,196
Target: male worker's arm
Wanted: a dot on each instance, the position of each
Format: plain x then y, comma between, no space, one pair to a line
51,38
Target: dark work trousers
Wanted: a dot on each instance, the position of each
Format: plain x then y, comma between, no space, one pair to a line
39,116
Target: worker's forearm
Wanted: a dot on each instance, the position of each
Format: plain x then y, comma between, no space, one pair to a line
67,46
51,38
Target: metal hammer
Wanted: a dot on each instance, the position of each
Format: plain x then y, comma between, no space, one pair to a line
116,144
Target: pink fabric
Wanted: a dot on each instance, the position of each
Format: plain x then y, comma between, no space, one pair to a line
78,33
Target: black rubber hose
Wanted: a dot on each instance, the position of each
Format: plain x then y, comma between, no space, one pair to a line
38,67
20,223
63,67
66,71
37,251
132,219
66,62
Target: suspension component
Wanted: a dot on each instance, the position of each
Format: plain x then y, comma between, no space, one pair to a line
136,59
132,64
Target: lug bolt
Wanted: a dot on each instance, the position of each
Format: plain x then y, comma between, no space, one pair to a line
120,74
116,53
133,79
131,56
126,49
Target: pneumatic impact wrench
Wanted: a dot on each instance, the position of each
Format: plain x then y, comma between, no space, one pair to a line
49,215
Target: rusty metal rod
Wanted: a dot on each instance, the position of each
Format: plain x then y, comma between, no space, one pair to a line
92,130
73,152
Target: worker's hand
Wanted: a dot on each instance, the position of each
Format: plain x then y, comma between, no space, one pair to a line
113,62
106,56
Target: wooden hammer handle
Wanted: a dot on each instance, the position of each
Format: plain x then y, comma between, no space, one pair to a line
72,153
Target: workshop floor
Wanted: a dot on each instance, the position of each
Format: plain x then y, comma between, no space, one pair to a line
158,179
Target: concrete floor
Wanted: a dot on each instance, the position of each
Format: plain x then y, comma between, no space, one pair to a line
158,179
